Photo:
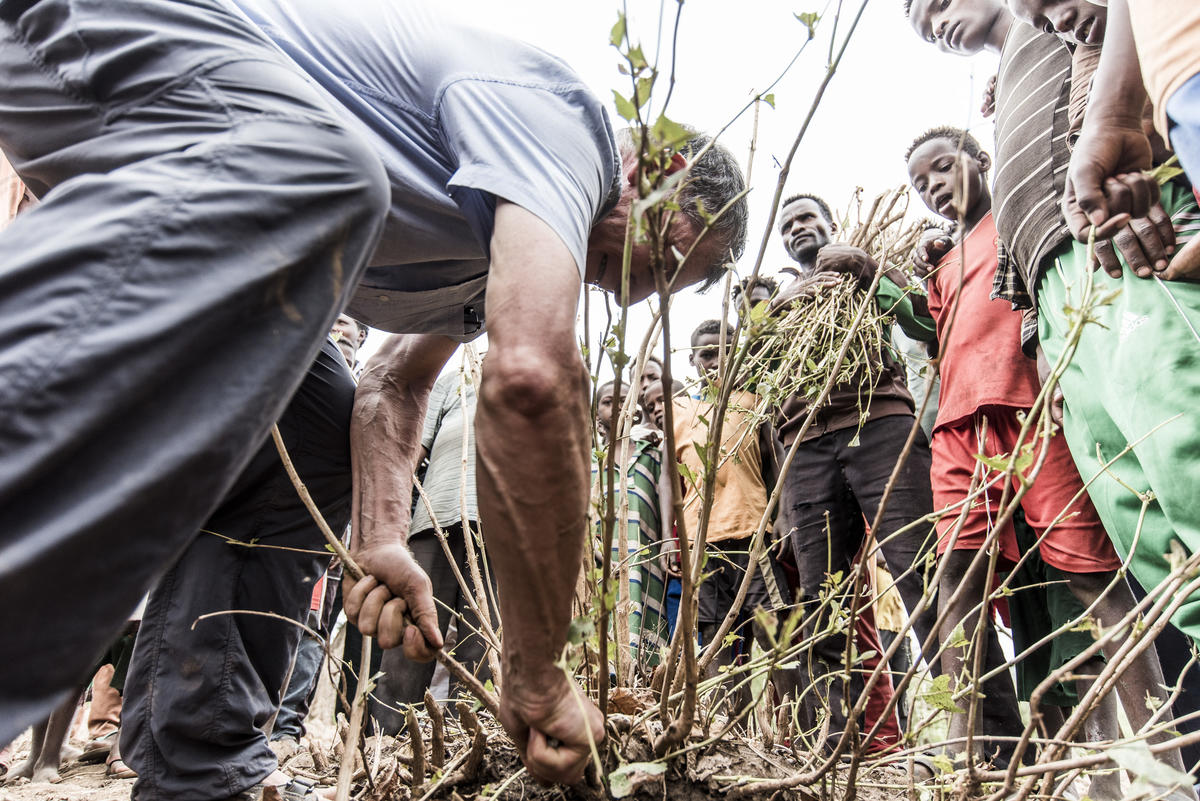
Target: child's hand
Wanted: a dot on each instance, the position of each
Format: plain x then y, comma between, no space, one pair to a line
935,243
989,98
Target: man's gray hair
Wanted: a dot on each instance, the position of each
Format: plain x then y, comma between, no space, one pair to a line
714,180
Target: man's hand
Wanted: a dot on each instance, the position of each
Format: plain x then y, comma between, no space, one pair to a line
534,713
808,287
1145,242
847,260
1105,183
1186,264
935,244
394,586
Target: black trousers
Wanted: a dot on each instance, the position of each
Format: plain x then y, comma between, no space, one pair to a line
405,682
834,485
196,698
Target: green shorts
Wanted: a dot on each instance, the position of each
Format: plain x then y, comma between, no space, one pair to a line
1134,380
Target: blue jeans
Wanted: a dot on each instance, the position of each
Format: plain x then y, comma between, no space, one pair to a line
674,593
1183,113
204,217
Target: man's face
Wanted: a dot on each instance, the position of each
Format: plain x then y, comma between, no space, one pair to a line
651,373
1076,21
655,402
937,171
804,230
956,26
706,355
348,337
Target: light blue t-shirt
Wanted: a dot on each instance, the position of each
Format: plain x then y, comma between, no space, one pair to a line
459,117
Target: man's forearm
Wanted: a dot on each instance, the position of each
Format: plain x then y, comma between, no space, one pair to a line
385,436
1118,93
532,480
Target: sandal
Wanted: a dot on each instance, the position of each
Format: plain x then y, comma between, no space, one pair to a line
117,769
97,748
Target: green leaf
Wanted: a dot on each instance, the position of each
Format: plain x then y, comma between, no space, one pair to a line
618,31
1166,171
624,780
627,110
641,94
769,99
580,629
958,638
1025,459
939,696
997,463
809,20
637,59
1137,758
668,133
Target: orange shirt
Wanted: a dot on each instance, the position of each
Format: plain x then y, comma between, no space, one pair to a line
1166,32
981,359
739,493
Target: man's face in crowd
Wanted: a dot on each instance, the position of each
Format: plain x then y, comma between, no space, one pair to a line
604,407
655,402
651,373
804,230
1076,21
937,169
706,355
956,26
349,336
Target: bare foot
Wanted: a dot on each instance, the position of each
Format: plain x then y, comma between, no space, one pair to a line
45,773
22,771
1185,266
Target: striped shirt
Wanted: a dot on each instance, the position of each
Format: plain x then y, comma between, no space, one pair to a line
1033,93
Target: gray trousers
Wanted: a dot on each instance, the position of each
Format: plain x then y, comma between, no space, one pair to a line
205,216
199,693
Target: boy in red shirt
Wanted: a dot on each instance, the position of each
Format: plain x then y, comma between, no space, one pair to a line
987,382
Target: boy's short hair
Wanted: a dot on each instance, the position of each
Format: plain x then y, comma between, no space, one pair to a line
825,210
908,8
959,137
744,286
712,327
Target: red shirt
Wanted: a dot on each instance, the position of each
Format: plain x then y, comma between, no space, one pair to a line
982,363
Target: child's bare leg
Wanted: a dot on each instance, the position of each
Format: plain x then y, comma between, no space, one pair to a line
957,574
25,769
1143,678
1101,725
58,726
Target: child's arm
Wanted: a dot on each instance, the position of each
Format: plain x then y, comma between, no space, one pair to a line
666,514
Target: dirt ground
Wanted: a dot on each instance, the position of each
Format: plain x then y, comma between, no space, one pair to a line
79,782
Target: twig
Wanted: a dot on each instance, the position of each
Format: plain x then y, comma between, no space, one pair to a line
437,741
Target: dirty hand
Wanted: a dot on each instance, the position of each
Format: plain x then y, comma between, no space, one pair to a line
989,98
807,287
552,724
848,260
1105,183
394,586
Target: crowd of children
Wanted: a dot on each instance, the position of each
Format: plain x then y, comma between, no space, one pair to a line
1051,485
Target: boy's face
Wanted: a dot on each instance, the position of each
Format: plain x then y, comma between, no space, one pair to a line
937,171
655,402
650,373
1076,21
604,406
804,229
706,355
956,26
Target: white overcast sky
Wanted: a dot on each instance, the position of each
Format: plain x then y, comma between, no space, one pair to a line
890,87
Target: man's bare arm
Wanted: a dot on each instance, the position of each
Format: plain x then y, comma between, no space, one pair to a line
532,474
385,445
1105,186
